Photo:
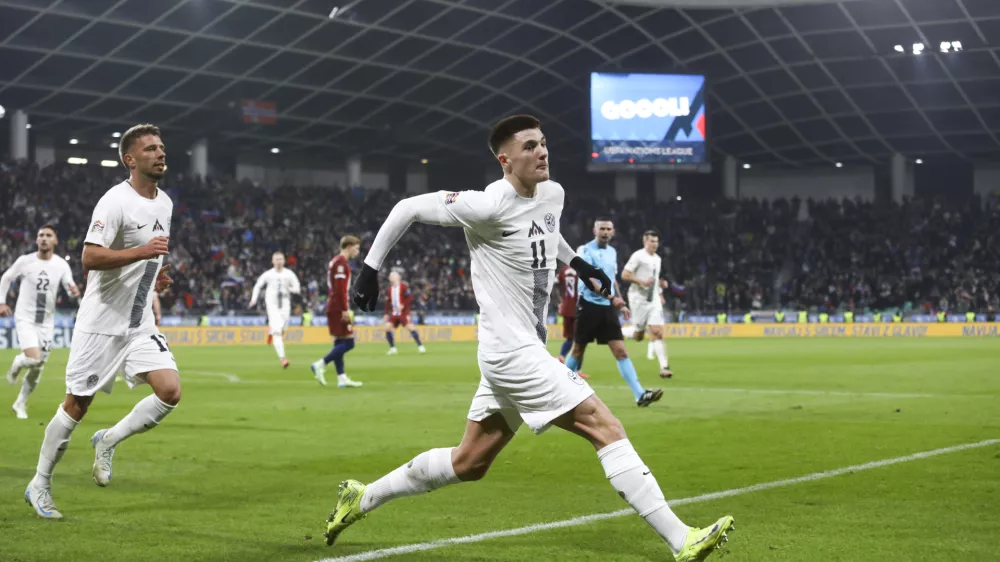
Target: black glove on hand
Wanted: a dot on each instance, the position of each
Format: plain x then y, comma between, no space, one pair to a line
365,292
588,272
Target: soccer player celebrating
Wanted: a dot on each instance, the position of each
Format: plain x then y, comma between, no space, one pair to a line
645,296
280,284
338,314
41,274
397,312
597,314
512,230
123,251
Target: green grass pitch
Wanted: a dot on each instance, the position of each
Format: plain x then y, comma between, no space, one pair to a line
248,470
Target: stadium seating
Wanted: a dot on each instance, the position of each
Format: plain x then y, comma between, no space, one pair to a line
732,256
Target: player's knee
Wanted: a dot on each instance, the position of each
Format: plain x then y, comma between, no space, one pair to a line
169,394
577,351
638,336
619,352
470,468
76,406
33,353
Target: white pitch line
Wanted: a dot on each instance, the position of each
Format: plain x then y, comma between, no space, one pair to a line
785,391
441,543
228,376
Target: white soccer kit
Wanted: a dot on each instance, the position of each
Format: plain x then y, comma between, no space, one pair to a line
34,312
278,288
514,243
115,327
647,309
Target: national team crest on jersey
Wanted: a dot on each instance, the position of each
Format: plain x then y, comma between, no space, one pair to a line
98,226
157,226
535,230
450,198
550,222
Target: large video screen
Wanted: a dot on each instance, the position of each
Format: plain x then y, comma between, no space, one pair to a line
648,122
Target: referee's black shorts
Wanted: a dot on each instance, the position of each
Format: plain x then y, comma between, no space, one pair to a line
596,322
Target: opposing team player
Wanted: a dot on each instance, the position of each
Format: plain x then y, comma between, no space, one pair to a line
41,274
512,230
281,283
123,251
567,307
645,296
338,314
597,314
397,312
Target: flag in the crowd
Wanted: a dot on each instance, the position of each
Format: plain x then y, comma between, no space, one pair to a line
210,215
260,112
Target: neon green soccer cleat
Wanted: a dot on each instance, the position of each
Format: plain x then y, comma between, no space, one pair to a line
701,542
348,509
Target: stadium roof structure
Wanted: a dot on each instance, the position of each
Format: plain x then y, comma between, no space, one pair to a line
794,85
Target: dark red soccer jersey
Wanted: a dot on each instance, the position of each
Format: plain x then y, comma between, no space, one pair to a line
398,300
339,281
567,285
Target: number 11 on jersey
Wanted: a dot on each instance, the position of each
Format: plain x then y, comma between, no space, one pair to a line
534,254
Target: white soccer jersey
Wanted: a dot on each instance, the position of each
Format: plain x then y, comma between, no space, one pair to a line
40,280
513,242
118,300
644,265
277,287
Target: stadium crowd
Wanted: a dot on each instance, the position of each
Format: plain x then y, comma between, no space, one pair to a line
723,255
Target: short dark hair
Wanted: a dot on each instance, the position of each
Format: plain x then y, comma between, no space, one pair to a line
507,127
603,219
651,232
348,241
48,226
132,135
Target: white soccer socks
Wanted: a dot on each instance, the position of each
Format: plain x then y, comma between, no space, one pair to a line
21,361
427,471
146,415
57,435
635,484
28,385
660,349
279,346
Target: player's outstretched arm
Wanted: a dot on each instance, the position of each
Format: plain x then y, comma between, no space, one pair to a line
99,258
256,289
6,280
468,209
584,269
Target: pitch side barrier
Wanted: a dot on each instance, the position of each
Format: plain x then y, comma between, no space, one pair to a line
257,335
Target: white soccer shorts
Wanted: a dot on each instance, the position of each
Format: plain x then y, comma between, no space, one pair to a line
277,322
95,359
646,313
528,384
32,335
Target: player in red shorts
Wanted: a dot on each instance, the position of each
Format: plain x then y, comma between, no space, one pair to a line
397,312
567,279
338,313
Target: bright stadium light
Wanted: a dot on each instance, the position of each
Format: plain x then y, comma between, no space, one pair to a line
900,49
116,134
74,141
27,126
746,166
424,161
275,150
956,46
113,145
918,48
920,161
839,164
76,160
945,46
109,163
678,197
